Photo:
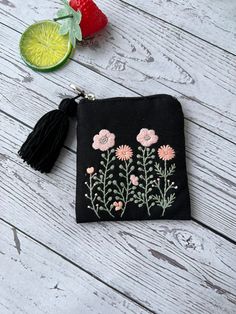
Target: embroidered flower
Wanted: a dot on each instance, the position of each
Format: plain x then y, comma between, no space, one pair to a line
118,205
103,140
124,152
147,137
165,152
134,179
90,170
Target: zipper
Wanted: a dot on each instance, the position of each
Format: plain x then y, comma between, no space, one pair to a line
81,92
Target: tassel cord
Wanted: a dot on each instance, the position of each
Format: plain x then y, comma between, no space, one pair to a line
44,143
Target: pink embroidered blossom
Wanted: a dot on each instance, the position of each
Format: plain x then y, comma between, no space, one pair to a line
165,152
103,140
147,137
134,179
118,205
124,152
90,170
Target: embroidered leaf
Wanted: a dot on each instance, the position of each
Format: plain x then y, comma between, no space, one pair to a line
171,170
145,161
162,199
143,190
105,182
92,196
159,170
124,188
158,200
170,199
101,183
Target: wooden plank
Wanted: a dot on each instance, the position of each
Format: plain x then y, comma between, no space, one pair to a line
35,280
148,56
211,179
24,88
156,263
143,52
211,21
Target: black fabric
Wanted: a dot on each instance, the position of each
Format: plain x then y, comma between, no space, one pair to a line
44,143
125,117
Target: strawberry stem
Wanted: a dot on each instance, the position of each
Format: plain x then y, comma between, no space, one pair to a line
63,17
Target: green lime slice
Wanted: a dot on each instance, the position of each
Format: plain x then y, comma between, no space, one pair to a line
43,48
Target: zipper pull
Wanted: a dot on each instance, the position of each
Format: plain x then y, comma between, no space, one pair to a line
78,90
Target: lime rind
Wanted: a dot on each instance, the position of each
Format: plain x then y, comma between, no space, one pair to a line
42,48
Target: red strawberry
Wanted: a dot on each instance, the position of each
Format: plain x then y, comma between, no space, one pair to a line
93,19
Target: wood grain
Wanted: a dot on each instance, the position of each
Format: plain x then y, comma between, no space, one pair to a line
35,280
142,52
128,267
156,263
23,88
210,177
211,21
147,55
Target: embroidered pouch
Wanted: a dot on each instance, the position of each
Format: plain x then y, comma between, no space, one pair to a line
131,159
130,156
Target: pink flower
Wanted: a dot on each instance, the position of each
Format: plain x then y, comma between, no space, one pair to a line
124,152
90,170
103,140
134,179
147,137
165,152
118,205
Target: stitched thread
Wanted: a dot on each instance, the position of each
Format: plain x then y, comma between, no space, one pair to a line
136,182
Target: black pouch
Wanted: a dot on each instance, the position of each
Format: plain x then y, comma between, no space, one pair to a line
131,159
130,156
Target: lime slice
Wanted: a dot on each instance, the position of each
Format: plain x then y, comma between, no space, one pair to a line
43,48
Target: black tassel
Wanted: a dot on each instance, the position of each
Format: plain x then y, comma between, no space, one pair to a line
44,143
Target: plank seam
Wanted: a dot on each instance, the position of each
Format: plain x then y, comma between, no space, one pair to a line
161,83
214,231
74,152
78,266
31,128
164,21
175,26
134,91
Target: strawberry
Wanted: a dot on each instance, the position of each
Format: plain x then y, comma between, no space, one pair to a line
93,19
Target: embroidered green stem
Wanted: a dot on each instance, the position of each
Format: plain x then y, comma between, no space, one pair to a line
104,179
92,196
163,200
145,161
164,194
124,190
146,182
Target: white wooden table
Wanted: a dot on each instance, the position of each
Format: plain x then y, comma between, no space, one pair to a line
48,263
